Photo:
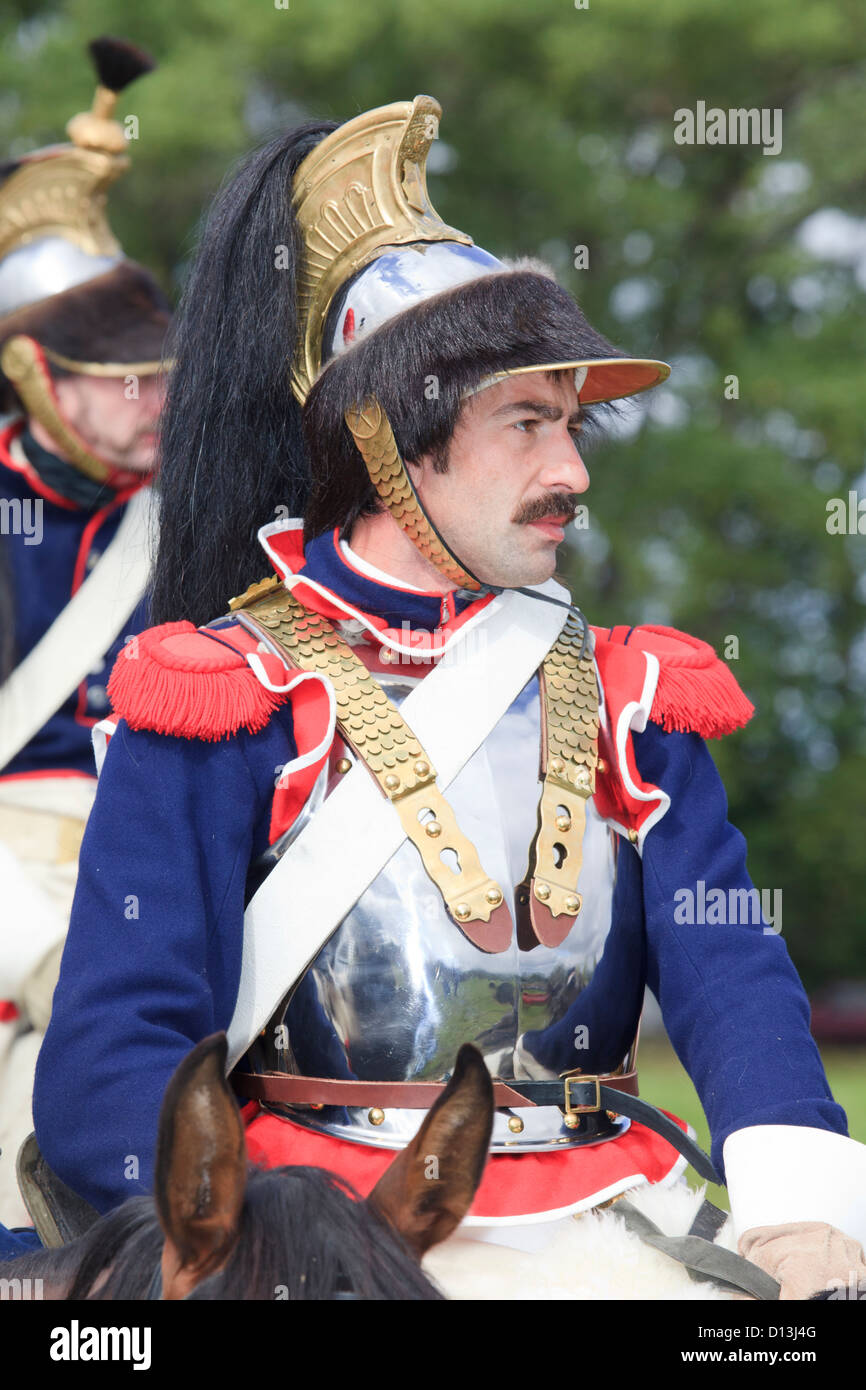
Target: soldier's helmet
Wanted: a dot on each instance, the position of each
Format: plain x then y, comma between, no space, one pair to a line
374,252
70,300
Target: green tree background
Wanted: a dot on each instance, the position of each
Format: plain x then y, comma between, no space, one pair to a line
707,512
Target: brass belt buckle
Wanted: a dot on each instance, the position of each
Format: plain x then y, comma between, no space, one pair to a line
570,1109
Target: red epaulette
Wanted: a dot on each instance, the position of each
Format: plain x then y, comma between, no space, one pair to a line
696,692
181,680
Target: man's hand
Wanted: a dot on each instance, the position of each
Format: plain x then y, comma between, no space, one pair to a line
807,1257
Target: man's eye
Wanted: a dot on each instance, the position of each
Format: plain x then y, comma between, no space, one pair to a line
525,424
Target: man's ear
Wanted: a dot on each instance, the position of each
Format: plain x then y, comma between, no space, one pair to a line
429,1187
201,1167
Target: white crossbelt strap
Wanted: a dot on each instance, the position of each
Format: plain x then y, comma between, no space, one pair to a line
79,636
326,869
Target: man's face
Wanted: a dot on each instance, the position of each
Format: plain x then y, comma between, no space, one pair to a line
118,425
514,476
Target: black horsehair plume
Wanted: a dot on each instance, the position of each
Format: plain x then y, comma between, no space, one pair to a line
231,451
118,63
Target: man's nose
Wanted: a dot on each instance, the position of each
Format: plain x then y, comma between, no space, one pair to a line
564,470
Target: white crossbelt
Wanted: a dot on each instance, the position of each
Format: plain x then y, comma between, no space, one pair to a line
81,634
326,869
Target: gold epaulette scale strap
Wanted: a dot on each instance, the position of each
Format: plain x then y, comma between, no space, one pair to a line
374,728
569,691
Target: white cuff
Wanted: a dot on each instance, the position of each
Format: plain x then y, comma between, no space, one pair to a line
782,1173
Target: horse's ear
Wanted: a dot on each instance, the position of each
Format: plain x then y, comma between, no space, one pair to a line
429,1187
200,1169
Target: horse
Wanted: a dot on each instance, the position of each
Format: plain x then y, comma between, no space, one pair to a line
214,1230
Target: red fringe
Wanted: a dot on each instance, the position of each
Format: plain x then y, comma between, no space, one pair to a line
174,680
708,702
696,692
162,687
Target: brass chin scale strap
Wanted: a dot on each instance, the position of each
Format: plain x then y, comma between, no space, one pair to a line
20,362
372,433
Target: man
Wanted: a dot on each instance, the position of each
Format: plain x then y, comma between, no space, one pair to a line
81,333
444,891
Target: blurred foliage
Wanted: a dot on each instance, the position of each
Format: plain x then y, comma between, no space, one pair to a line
706,513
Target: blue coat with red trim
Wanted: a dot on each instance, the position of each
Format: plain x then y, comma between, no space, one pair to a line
49,559
153,956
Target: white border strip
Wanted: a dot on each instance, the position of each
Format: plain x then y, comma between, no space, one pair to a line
635,716
99,736
256,664
575,1208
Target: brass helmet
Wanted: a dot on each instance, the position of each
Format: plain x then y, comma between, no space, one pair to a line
373,247
69,298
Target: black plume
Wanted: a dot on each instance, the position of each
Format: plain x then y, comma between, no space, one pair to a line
232,456
118,63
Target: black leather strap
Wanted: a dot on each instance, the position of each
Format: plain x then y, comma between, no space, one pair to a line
708,1222
583,1094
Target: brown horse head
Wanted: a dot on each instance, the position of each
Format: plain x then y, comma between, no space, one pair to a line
201,1167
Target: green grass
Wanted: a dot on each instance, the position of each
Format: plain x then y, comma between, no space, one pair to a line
663,1082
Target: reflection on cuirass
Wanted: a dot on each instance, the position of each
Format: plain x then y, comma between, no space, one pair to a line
398,987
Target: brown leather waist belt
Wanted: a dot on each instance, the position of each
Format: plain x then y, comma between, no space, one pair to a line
422,1095
575,1095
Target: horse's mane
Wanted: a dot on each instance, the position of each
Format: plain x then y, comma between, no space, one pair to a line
303,1235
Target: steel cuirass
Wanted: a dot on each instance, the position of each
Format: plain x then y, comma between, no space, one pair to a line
398,987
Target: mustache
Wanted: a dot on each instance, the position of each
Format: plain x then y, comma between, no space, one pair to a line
554,504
